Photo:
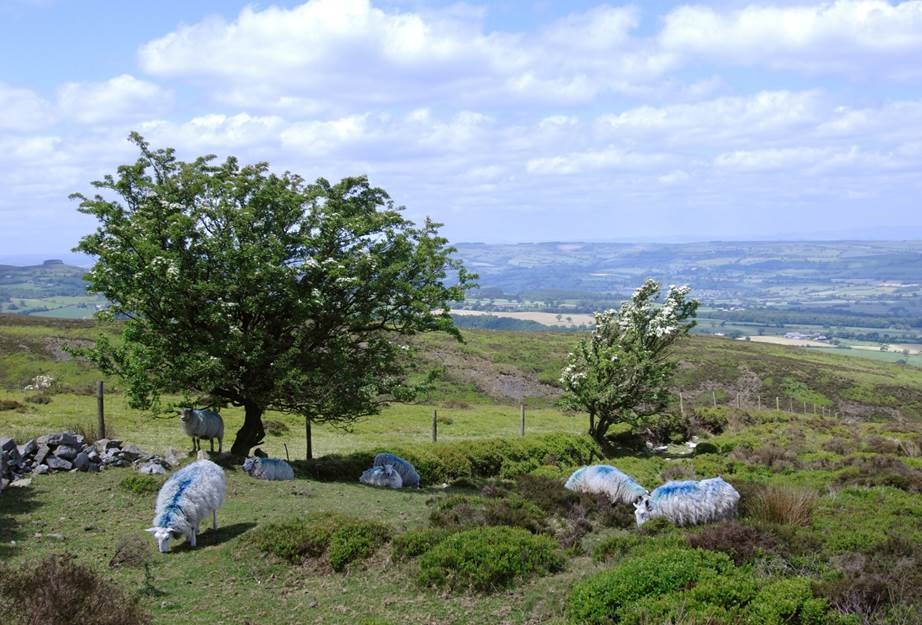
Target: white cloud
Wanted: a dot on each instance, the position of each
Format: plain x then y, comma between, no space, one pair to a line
608,159
123,97
854,37
23,109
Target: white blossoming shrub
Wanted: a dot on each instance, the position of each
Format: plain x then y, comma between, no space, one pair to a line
40,383
619,374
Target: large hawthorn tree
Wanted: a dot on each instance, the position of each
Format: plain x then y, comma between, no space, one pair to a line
261,290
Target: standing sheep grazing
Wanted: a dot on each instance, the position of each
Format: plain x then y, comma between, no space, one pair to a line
202,424
382,476
606,480
272,469
407,472
689,502
185,500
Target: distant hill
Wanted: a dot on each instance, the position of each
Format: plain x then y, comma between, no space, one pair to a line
51,288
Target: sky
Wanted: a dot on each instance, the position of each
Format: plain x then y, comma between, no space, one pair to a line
505,121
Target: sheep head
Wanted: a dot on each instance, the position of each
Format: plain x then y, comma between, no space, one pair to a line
163,535
643,511
186,415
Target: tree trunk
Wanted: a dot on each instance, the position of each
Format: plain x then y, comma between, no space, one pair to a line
252,432
307,438
592,425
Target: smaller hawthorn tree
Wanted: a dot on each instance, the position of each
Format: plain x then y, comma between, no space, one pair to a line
620,373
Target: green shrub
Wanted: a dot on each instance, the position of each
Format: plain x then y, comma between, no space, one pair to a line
712,420
616,547
417,542
606,597
140,484
444,462
341,538
356,540
487,559
787,601
706,447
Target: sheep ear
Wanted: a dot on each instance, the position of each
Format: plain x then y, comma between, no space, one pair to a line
638,503
152,530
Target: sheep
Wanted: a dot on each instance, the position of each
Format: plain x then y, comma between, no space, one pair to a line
407,472
386,475
272,469
202,424
185,499
689,502
607,480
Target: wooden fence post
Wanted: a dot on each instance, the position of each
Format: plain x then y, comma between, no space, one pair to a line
435,426
100,409
777,403
714,398
759,400
307,438
682,405
522,420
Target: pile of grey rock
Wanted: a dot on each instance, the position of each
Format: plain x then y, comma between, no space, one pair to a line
67,451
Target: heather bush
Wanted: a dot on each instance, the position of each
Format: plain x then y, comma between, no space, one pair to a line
58,590
464,511
488,559
741,542
342,539
140,484
414,543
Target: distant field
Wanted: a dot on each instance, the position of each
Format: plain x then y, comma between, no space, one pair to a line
781,340
547,319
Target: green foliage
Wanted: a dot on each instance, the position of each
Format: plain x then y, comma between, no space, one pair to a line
712,420
417,542
444,462
355,540
488,559
141,484
606,597
261,290
620,373
616,547
678,584
341,538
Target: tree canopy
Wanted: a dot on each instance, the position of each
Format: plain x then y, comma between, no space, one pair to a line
619,374
261,290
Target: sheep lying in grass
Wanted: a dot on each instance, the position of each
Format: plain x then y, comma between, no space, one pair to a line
185,500
202,424
689,502
606,480
272,469
407,472
382,476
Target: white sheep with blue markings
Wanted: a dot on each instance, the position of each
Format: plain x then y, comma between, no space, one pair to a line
185,499
606,480
202,424
407,471
385,476
272,469
689,502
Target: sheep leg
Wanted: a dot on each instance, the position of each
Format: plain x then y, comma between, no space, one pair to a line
214,519
192,539
211,442
220,443
194,444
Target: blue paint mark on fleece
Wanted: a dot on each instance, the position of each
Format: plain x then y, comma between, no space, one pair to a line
604,469
675,488
180,481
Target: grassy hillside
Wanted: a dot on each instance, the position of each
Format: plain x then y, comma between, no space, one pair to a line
830,523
